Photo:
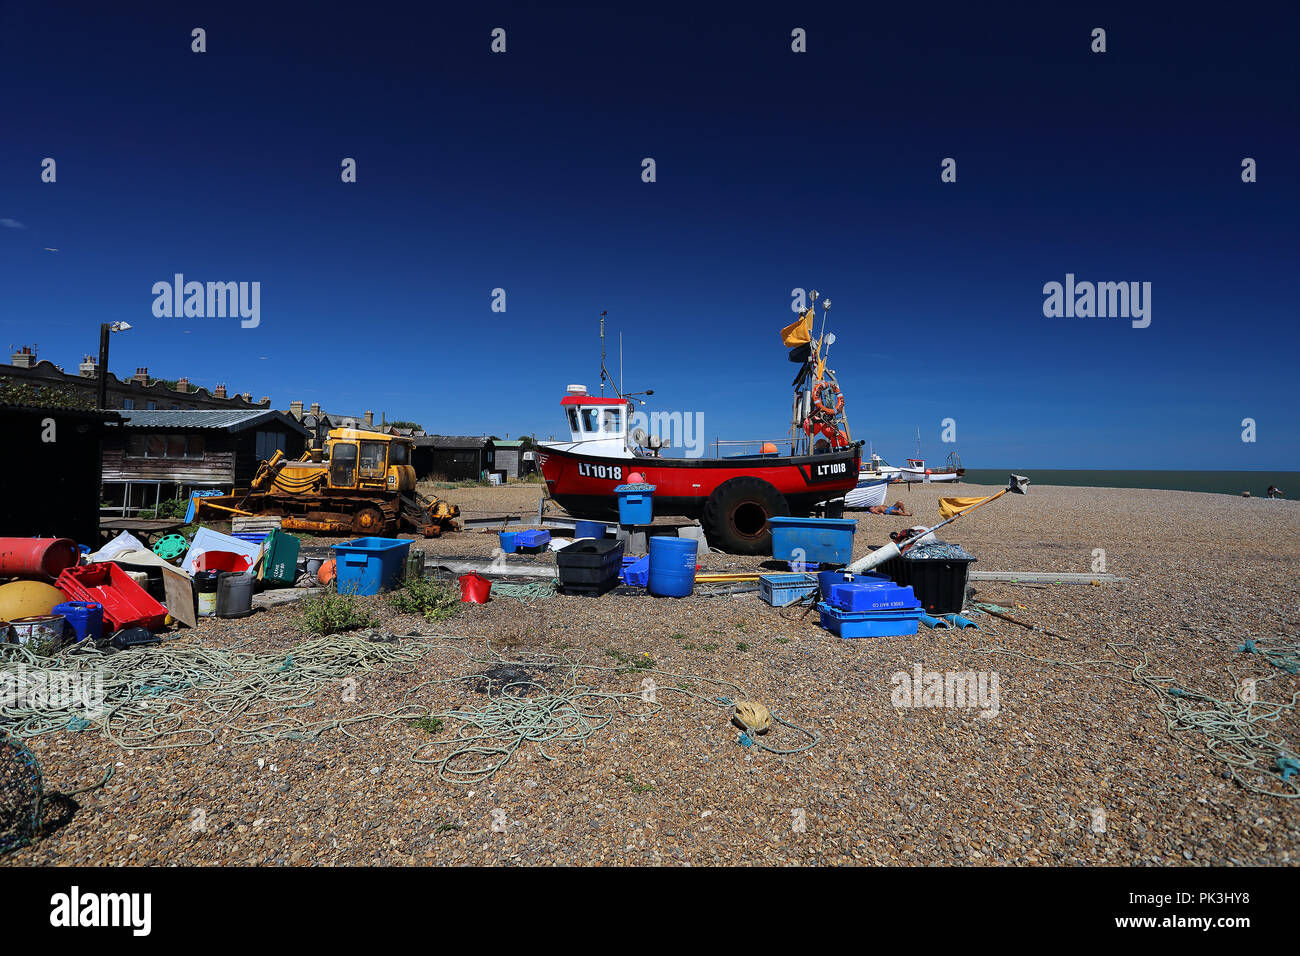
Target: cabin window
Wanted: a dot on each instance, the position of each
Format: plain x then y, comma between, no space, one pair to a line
613,420
573,420
343,465
590,420
372,459
175,447
397,454
268,443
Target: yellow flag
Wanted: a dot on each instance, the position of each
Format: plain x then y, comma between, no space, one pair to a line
796,333
950,506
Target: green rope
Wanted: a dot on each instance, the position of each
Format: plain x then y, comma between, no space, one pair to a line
169,696
568,714
1235,732
524,592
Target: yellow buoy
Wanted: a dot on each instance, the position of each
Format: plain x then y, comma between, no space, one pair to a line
28,599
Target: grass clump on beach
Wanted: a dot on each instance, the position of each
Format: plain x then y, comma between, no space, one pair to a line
334,613
630,663
425,596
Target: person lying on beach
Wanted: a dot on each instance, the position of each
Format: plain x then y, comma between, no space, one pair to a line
896,508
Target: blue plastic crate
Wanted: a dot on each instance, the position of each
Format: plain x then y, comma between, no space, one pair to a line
899,622
824,540
779,590
871,594
507,539
532,539
637,572
370,565
635,503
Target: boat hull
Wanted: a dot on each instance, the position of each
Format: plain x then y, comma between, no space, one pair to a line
910,475
869,493
583,484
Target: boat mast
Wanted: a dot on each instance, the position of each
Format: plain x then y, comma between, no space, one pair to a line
602,352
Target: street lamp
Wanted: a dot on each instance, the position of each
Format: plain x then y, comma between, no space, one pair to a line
104,329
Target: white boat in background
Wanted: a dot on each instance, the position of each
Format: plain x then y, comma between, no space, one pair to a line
915,470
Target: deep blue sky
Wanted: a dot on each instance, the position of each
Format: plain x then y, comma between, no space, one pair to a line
775,170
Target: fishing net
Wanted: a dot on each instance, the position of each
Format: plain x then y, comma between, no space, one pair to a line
22,794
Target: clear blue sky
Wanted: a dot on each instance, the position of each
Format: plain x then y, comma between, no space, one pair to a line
775,170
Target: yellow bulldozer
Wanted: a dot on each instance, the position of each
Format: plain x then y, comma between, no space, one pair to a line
361,483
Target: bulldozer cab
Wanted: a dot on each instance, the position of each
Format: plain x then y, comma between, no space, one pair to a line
369,461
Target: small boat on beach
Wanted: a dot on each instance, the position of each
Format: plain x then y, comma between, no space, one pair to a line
915,470
733,495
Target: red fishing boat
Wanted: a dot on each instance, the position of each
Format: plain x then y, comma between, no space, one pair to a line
733,495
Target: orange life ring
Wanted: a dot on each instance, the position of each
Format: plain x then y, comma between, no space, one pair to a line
817,398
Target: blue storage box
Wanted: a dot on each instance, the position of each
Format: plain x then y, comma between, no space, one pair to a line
636,571
532,539
369,565
871,594
899,622
507,541
779,590
589,529
824,540
635,503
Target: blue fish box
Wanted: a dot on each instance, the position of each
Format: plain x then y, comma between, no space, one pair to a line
369,565
899,622
779,590
532,540
635,503
871,594
507,539
824,540
636,571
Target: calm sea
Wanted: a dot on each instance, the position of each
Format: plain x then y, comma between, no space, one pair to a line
1219,482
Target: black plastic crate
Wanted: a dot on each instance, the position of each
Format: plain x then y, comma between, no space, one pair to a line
938,583
589,590
590,562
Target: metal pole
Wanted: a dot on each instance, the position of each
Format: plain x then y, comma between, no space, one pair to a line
103,367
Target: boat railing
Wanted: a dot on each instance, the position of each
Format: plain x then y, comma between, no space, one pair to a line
752,447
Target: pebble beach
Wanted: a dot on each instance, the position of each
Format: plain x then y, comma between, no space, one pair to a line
1072,764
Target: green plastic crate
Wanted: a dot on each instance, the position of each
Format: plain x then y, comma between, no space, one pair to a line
281,562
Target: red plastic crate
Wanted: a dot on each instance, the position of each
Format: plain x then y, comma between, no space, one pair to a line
126,604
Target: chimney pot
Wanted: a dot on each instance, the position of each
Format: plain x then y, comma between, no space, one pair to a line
295,409
219,391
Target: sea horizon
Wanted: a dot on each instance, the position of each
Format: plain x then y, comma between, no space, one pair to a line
1226,481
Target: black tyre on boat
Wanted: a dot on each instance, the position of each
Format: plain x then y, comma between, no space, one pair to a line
735,515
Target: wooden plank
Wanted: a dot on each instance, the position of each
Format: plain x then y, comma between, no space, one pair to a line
1047,577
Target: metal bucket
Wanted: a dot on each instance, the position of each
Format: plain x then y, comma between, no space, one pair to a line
38,629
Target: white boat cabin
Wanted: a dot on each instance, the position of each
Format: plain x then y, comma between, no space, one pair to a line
597,425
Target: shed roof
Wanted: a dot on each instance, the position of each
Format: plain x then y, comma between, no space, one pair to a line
217,419
452,441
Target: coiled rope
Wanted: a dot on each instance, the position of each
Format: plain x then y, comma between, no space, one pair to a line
167,697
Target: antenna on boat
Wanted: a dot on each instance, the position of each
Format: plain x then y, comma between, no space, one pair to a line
603,313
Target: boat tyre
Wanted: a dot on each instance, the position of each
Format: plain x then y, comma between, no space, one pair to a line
735,515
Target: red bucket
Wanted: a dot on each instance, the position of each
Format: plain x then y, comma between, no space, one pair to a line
475,588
